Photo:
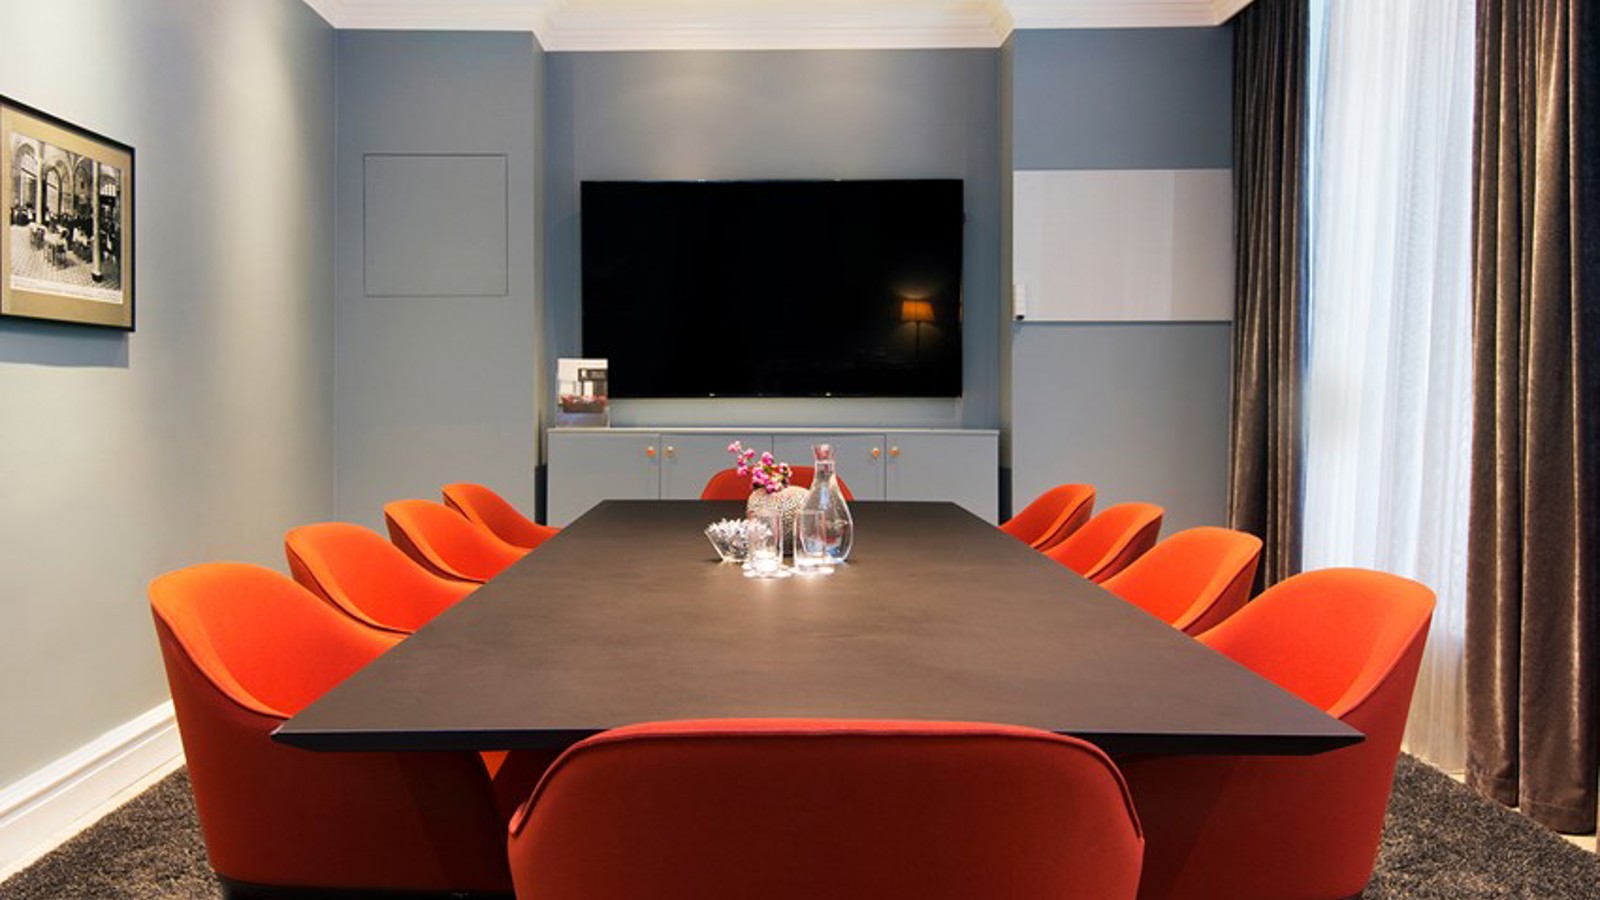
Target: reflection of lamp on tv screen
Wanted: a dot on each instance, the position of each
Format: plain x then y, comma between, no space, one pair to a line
774,288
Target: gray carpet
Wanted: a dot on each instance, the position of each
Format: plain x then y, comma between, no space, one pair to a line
1442,842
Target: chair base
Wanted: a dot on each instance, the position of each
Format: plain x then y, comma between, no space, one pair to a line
241,890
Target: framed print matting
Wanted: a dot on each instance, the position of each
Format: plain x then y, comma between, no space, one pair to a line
67,199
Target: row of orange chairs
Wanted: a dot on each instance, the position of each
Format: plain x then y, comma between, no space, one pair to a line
1347,641
1193,580
783,808
246,648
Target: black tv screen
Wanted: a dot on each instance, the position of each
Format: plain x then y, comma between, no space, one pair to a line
774,288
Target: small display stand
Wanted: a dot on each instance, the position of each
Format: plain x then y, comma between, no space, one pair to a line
581,393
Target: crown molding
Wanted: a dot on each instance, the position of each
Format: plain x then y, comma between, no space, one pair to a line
772,29
329,10
1030,14
572,25
436,15
1223,10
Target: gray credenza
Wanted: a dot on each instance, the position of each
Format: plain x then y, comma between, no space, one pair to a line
587,465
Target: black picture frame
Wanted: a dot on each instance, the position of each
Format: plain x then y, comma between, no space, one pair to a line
67,201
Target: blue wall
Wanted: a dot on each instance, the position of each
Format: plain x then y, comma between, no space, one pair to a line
1138,409
782,114
435,389
207,432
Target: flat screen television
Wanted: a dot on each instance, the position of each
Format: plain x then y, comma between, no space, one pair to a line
774,288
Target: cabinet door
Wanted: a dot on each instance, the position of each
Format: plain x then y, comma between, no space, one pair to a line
858,458
587,467
689,460
962,468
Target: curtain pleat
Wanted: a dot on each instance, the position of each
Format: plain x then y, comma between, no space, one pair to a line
1264,479
1533,582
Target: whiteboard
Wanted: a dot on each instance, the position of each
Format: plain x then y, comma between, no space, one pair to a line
1111,246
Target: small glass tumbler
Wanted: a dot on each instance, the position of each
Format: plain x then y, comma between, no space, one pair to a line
811,543
764,535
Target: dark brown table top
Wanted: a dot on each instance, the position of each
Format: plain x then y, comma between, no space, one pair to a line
626,616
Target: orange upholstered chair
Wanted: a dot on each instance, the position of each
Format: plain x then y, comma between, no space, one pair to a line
368,578
1052,516
245,648
728,484
445,543
1193,579
1347,641
493,512
848,810
1109,542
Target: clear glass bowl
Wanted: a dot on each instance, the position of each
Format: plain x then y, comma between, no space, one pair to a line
727,537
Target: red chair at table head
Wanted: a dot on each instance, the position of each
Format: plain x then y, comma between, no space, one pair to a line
245,648
728,484
847,810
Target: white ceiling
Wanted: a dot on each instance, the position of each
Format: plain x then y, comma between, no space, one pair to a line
769,24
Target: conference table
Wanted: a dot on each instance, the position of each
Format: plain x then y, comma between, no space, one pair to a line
628,616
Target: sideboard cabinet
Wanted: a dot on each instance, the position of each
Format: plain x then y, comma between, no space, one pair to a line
587,465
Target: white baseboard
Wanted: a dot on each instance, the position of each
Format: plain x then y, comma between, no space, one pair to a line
42,810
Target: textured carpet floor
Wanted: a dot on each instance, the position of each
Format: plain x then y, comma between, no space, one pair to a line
1441,842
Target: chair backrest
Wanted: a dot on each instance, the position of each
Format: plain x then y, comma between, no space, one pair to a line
262,640
1052,516
847,810
368,578
445,542
728,484
1330,636
245,648
1193,579
1109,542
489,510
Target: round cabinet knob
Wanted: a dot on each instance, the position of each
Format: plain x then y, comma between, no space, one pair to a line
650,452
876,453
894,452
671,450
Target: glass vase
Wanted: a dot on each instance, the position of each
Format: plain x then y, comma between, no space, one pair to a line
825,498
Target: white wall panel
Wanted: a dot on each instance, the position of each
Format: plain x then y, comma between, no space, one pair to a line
1125,246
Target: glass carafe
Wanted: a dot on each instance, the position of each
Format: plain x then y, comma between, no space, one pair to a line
825,497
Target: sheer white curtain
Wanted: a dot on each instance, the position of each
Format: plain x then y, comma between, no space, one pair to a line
1388,392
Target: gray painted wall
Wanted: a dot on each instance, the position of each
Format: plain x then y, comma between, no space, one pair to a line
207,433
433,389
1139,98
788,114
1140,410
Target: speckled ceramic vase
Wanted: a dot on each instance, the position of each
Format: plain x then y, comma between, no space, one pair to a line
786,502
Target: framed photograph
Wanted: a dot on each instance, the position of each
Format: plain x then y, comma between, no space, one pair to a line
582,395
67,199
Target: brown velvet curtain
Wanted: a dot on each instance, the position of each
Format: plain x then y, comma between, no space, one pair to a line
1269,140
1533,581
